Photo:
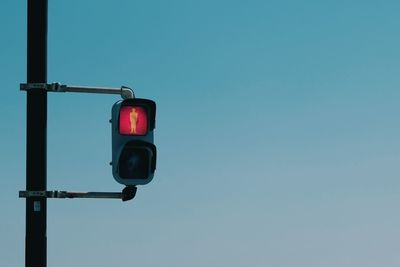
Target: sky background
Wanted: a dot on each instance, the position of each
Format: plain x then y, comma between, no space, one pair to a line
277,132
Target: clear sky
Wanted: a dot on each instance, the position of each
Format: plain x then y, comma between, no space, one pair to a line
277,132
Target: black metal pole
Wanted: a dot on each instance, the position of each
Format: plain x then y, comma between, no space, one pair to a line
36,143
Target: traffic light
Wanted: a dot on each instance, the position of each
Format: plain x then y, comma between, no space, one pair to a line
133,152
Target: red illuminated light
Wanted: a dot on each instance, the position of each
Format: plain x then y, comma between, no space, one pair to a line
132,120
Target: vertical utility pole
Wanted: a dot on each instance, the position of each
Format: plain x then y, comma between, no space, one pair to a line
36,143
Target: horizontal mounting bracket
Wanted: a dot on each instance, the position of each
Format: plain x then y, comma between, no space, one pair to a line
127,193
125,92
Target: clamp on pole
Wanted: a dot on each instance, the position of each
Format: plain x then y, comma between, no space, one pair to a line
127,193
125,92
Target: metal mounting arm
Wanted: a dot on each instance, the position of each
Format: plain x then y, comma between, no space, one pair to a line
127,193
125,92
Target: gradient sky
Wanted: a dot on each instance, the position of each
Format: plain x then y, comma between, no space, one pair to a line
277,132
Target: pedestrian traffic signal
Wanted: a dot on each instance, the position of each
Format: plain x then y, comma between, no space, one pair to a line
133,152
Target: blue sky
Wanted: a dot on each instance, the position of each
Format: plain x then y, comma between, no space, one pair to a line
277,132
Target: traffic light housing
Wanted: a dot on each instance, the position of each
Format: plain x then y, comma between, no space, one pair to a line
133,152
